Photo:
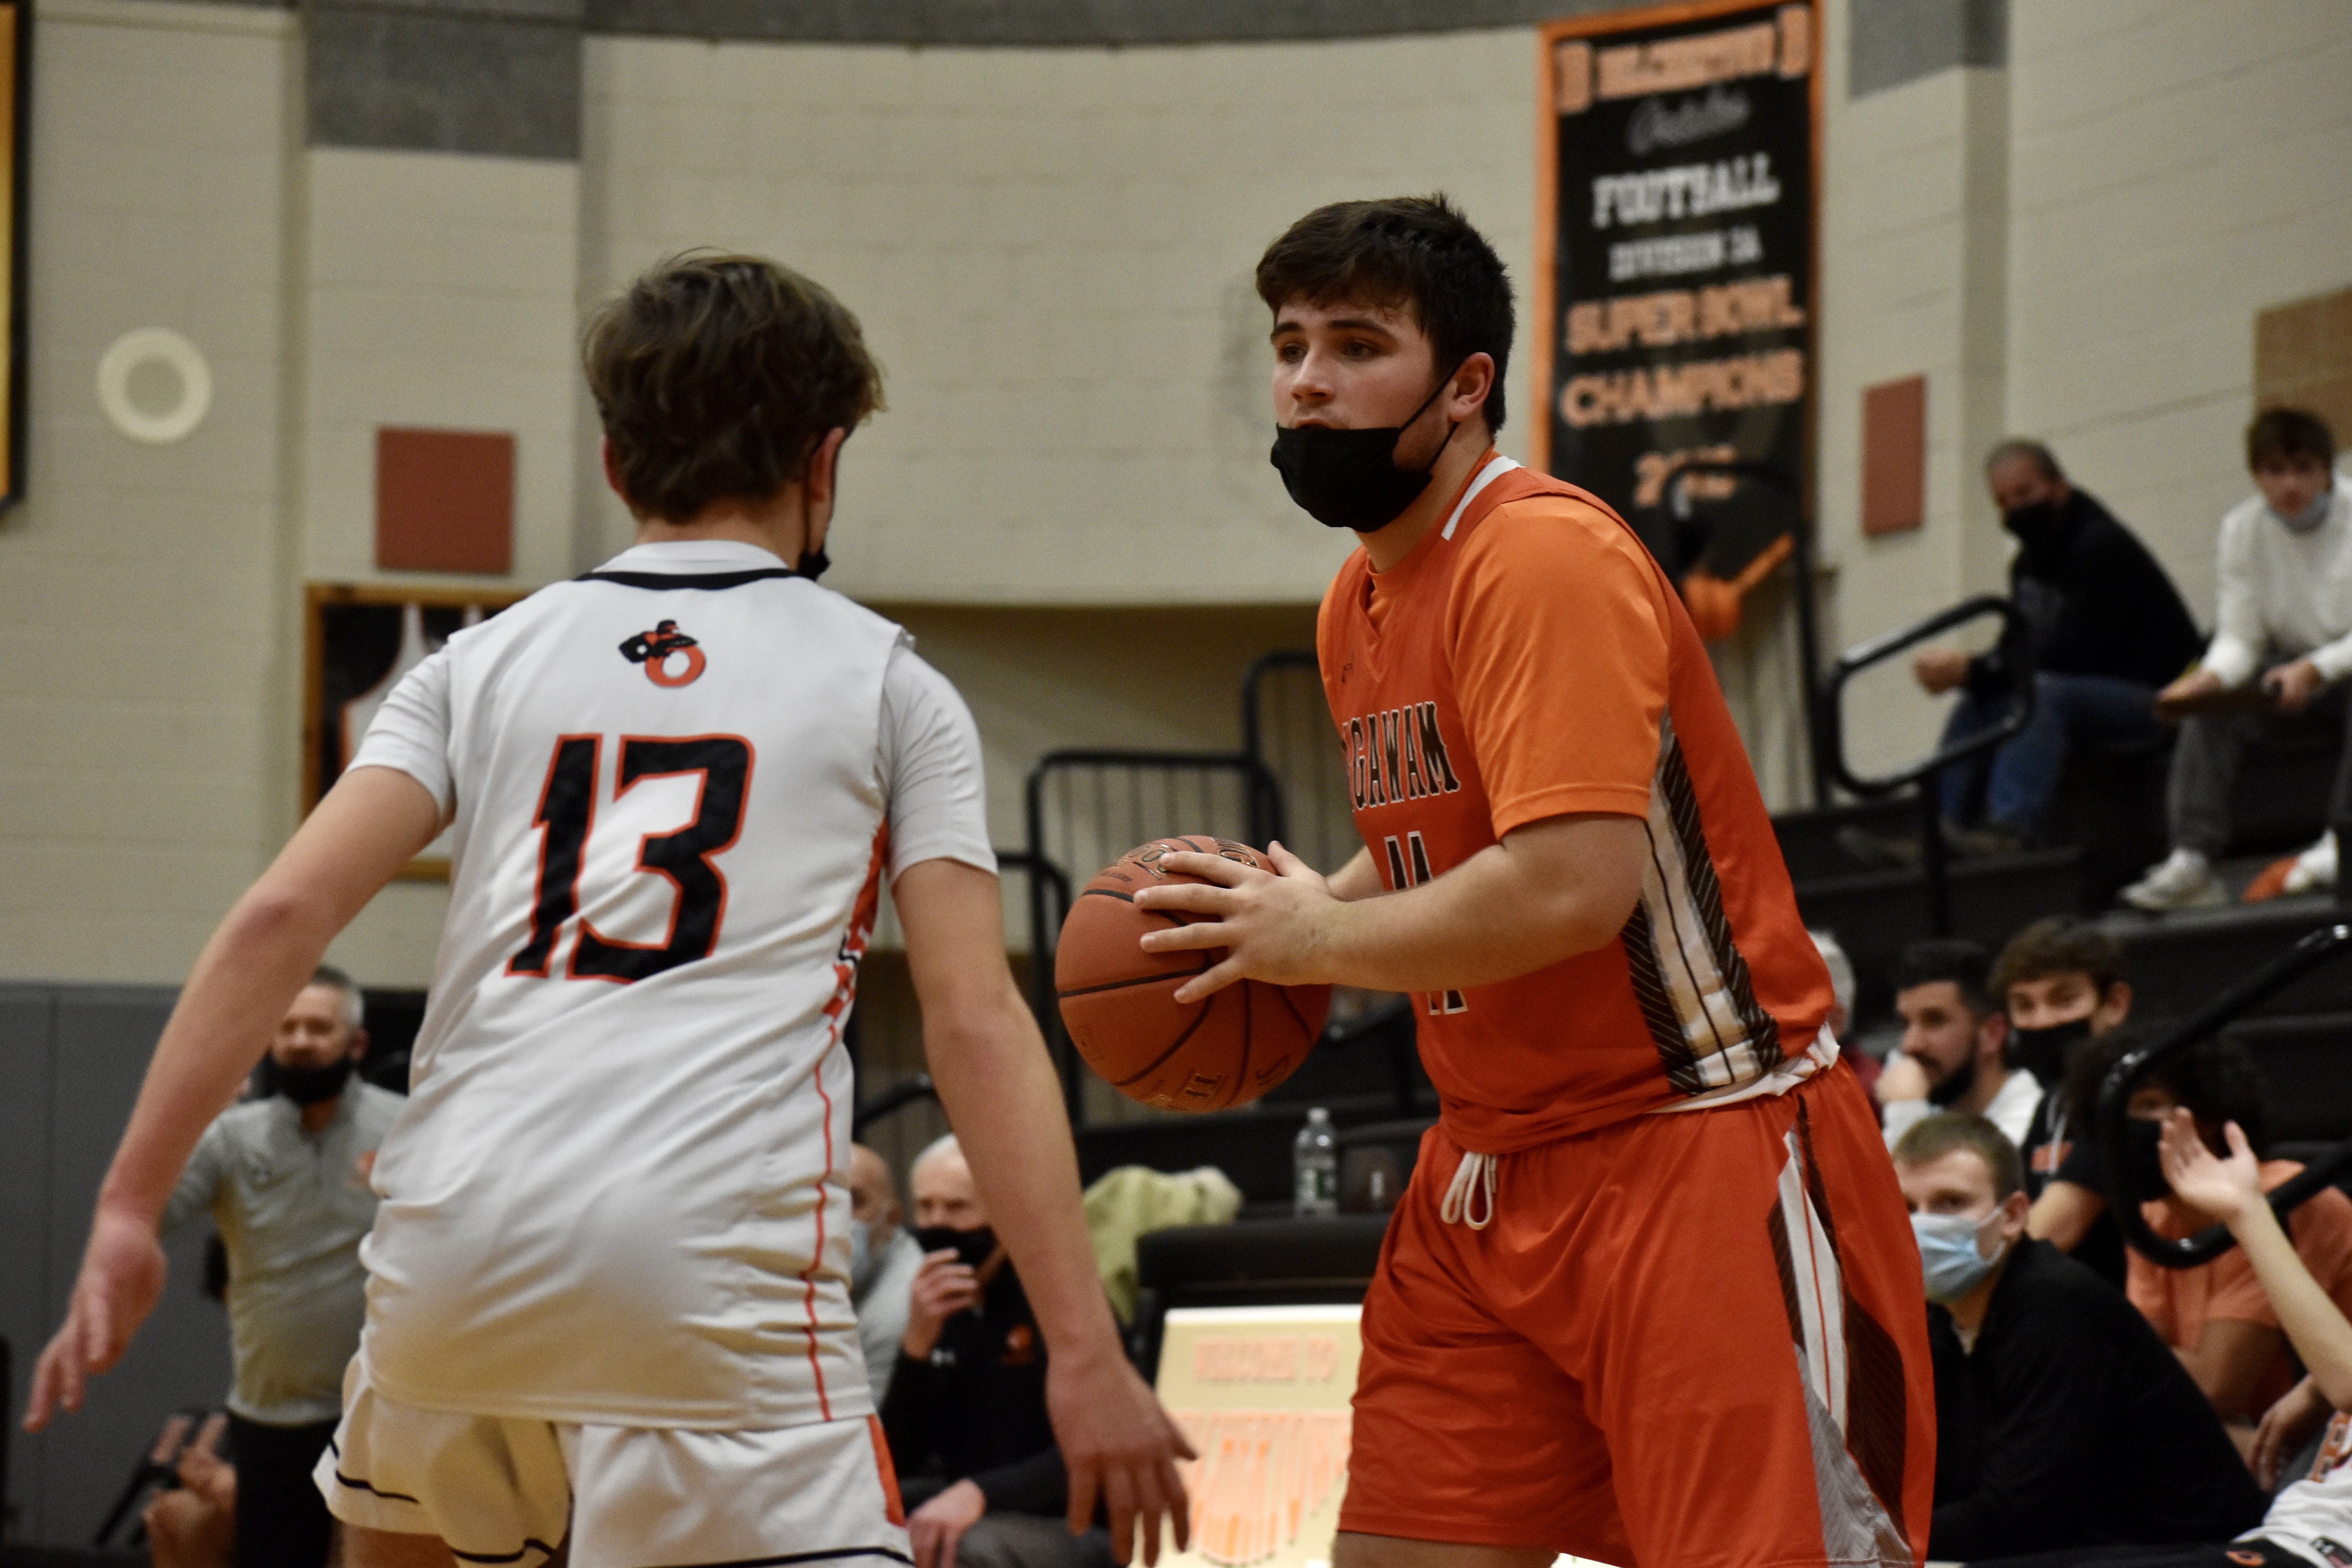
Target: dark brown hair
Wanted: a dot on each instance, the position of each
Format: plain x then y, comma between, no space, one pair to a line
2216,1079
1930,1141
2281,434
716,376
2061,944
2033,451
1417,253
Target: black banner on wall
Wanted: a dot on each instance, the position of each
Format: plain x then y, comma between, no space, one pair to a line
1675,260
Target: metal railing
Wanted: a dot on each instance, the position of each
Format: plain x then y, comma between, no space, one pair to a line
1935,859
1286,727
1082,810
2115,1089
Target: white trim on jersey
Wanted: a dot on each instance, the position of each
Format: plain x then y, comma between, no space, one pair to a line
1496,467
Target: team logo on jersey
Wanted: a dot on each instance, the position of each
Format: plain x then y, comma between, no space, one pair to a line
1397,755
656,648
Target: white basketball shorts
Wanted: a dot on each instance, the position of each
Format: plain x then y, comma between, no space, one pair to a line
504,1490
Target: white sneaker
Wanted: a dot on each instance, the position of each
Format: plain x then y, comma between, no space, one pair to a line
2315,867
2184,881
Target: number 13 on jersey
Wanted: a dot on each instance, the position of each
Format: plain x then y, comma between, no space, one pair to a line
688,856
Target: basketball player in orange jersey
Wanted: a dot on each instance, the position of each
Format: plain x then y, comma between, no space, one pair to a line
1651,1296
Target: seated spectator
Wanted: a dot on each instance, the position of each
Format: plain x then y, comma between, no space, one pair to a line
2108,630
2309,1522
2284,623
883,1262
1953,1034
966,1414
2216,1317
2062,982
2060,1421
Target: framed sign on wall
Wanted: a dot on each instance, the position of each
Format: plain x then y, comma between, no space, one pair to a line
1674,273
358,641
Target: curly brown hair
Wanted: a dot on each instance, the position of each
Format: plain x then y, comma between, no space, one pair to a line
718,375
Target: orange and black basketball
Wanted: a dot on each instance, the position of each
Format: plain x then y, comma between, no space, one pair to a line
1118,1001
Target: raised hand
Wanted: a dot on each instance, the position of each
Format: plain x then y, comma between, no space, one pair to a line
2222,1188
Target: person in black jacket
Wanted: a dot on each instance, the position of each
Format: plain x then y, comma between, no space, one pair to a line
2061,1419
965,1417
2109,631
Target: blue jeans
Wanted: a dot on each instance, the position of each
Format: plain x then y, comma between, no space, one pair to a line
2022,774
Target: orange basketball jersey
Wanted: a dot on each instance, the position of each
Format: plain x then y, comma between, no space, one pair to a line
1529,660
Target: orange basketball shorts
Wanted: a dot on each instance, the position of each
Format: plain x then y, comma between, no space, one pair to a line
1680,1341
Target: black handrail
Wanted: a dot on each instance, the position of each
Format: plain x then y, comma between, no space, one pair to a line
896,1098
2017,643
2114,1100
1253,706
1935,861
1048,901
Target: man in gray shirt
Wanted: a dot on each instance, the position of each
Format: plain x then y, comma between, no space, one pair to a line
286,1180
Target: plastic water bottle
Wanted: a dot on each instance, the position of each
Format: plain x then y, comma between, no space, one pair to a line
1315,1167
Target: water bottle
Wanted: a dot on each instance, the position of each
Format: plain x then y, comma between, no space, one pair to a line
1315,1167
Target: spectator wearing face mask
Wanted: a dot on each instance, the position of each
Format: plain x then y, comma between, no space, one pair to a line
2061,981
2216,1317
883,1262
1954,1038
2108,630
965,1418
286,1180
2061,1419
2285,626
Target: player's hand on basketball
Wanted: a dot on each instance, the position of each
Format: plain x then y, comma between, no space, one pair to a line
935,1527
1272,924
121,1279
1118,1445
944,1286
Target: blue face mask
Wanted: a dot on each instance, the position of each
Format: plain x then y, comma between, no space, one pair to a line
1949,1255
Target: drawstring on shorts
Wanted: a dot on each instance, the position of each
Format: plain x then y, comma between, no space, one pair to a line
1473,1183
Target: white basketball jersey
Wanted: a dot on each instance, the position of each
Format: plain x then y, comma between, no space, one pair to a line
608,1198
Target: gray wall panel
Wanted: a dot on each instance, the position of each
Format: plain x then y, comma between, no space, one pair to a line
27,1036
103,1038
433,79
1047,23
1890,42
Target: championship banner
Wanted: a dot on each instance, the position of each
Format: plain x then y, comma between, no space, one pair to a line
1674,278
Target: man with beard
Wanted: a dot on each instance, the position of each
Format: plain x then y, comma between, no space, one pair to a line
1954,1037
965,1417
2108,630
286,1180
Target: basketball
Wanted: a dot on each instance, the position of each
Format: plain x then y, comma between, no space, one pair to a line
1226,1049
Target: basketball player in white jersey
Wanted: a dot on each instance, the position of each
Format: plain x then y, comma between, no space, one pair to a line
608,1306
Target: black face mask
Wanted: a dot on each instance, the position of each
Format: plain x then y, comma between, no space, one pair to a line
971,1246
1349,479
308,1086
812,562
2034,524
2043,1052
1957,1082
2142,1160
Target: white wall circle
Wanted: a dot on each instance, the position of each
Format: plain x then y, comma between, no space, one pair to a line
162,346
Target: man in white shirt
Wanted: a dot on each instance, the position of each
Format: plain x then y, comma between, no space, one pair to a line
608,1299
2285,619
1955,1042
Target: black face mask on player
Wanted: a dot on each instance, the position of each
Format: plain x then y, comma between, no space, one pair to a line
1349,479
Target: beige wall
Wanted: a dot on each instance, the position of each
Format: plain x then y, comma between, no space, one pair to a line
140,605
1068,498
1051,252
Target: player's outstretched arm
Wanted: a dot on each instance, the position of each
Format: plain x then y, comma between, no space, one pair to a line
370,825
1550,890
1005,1105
